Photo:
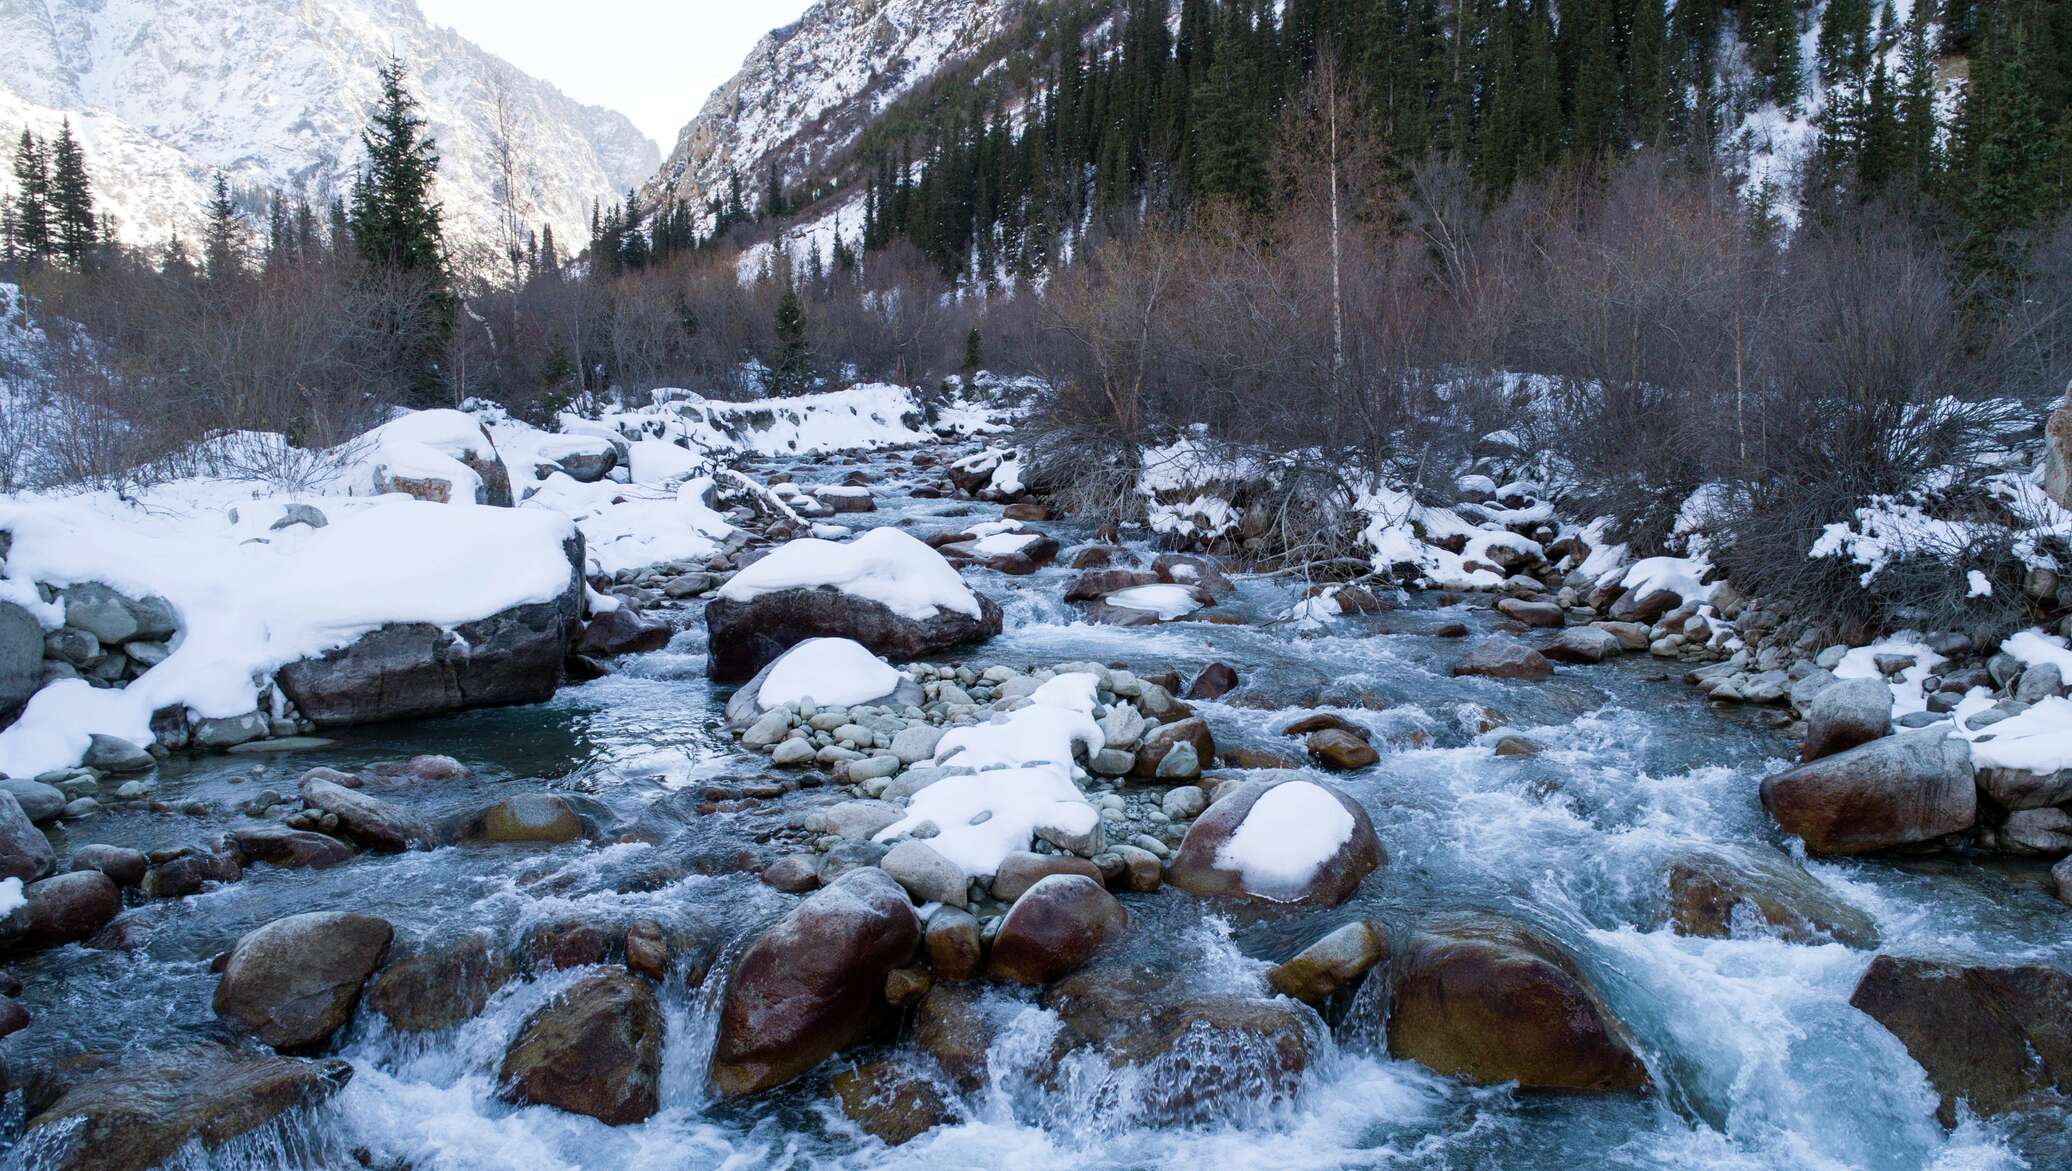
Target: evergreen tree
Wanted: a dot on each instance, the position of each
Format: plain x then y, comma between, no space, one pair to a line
1917,121
791,372
223,246
1844,48
974,354
74,231
2004,155
32,211
395,217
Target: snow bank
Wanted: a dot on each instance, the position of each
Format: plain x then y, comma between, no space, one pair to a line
1908,694
867,415
2037,741
424,445
1058,717
884,565
836,671
251,598
1291,831
631,527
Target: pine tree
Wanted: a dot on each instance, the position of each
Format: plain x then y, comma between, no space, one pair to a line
74,231
1844,48
1917,121
974,354
791,372
2004,154
396,218
223,247
32,218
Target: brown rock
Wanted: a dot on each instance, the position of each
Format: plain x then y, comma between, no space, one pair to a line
1160,741
1996,1038
369,821
125,866
527,817
953,946
290,849
1022,869
1198,867
1323,722
951,1026
647,952
1212,682
294,982
1054,928
1340,751
1707,887
891,1102
595,1049
1099,583
1332,964
70,907
1502,658
1915,789
441,985
1542,615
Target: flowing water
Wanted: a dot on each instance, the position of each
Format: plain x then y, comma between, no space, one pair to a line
1757,1058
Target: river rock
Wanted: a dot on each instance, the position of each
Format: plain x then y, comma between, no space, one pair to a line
1489,1000
594,1049
926,875
1095,584
1332,964
101,612
290,849
953,945
2019,789
124,865
1160,741
1023,869
415,669
40,802
439,985
113,754
1914,789
188,872
1503,658
813,983
951,1025
21,658
743,637
1202,867
135,1114
1708,887
24,852
1847,713
367,821
622,631
1541,615
67,908
1054,928
1339,750
527,817
891,1102
294,982
1213,682
1993,1037
1583,644
2061,876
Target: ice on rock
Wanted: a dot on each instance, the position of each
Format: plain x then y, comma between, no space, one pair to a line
1166,601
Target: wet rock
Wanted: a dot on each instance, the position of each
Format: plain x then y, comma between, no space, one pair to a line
1322,722
137,1113
70,907
1212,682
1996,1038
439,985
187,873
1489,1000
1516,746
1709,890
951,1026
624,631
952,944
860,820
1054,928
1502,658
527,817
2061,876
1191,570
1847,713
813,983
1203,866
21,658
924,874
24,852
1914,789
1542,615
294,982
1583,644
1340,751
1332,964
891,1102
1022,869
416,669
39,802
1096,584
1211,1051
1193,732
124,865
13,1017
793,873
231,731
647,949
290,849
113,754
367,821
743,637
594,1049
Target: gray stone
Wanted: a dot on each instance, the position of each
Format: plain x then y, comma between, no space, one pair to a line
854,819
294,982
1112,762
1185,802
39,801
794,753
916,743
299,514
228,731
101,612
115,755
873,768
21,657
1331,964
2039,682
1846,714
1907,790
72,647
771,727
925,874
1181,763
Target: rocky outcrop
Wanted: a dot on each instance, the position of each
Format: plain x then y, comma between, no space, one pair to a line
294,982
744,637
1992,1037
415,669
594,1049
1203,867
135,1114
1911,790
1490,1000
813,983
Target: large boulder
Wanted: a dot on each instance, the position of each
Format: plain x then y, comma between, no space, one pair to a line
1846,714
1503,658
743,637
813,983
1490,1000
1282,837
1993,1037
294,982
70,907
1712,889
136,1114
1909,790
367,821
411,670
21,658
1053,929
622,631
440,985
595,1049
24,852
2057,453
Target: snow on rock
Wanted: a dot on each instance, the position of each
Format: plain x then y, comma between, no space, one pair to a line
2034,646
1167,601
631,528
1682,576
251,598
985,816
834,671
883,565
1908,695
2037,741
867,415
419,451
1058,717
11,897
1289,834
1407,536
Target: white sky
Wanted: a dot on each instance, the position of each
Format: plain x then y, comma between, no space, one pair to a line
655,61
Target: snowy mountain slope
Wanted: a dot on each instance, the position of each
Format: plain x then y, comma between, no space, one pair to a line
273,93
807,89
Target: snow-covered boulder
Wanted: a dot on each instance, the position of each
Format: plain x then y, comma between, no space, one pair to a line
441,456
1282,837
885,590
835,672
